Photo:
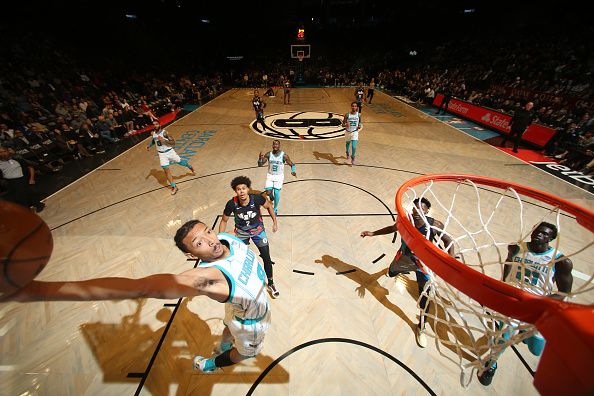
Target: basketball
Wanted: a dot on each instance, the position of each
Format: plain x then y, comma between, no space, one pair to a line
25,247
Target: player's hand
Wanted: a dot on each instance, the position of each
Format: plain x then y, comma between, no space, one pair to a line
294,174
274,227
161,139
147,148
261,156
366,233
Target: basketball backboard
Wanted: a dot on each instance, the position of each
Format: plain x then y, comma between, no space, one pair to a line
300,51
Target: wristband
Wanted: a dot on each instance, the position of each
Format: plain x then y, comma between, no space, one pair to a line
292,168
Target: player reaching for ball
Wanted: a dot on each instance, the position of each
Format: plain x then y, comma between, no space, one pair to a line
229,272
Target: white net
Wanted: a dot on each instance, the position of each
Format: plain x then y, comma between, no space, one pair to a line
483,222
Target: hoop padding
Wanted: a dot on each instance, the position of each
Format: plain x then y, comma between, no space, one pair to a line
567,365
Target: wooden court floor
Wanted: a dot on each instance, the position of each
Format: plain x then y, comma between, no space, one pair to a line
330,323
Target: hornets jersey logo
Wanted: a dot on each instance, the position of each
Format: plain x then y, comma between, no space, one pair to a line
305,125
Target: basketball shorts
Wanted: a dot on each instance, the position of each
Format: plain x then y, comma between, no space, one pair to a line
248,334
256,234
168,157
274,181
410,263
351,135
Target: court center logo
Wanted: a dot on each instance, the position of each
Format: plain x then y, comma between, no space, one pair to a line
305,125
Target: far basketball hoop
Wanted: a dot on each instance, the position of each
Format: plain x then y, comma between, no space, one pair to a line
487,219
300,51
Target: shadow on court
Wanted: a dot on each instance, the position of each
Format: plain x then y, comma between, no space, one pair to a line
367,283
159,176
448,336
330,157
126,348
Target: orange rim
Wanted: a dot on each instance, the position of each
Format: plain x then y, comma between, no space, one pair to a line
500,296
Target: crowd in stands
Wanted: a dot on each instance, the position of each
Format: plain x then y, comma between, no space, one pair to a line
55,109
52,112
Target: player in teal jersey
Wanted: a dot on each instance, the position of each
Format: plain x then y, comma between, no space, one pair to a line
229,273
352,123
276,171
167,154
535,267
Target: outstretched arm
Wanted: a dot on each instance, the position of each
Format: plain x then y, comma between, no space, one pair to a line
164,286
289,162
382,231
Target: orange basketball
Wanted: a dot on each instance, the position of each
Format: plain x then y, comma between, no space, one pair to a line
25,247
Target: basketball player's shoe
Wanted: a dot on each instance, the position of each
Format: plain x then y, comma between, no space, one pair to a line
204,364
487,376
273,292
192,170
348,156
174,190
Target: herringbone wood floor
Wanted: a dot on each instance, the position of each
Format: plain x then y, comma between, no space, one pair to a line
122,222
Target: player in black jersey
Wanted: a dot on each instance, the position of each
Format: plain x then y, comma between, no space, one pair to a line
360,96
248,222
259,106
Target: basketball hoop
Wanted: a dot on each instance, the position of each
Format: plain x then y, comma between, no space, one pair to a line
468,290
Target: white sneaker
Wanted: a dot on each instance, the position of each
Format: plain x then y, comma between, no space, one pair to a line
273,292
421,337
200,364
